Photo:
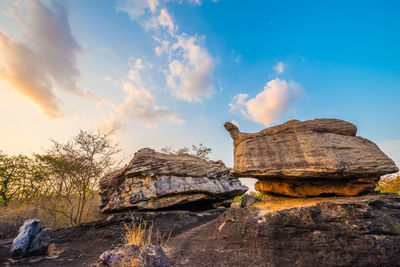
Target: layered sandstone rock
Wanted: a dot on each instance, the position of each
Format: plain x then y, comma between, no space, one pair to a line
154,180
281,231
316,187
310,158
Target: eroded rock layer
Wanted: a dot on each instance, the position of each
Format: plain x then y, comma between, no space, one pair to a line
316,187
320,148
153,181
341,231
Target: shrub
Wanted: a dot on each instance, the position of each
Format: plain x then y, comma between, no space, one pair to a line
238,199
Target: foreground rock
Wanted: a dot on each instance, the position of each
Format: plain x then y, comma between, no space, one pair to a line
32,240
324,154
153,181
131,255
280,231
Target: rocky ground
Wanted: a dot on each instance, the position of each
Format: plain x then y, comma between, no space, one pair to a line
82,245
343,231
279,231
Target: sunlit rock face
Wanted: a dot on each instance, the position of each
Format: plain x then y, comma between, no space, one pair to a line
153,181
316,187
310,158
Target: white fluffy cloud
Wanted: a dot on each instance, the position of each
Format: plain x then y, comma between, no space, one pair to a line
270,104
139,102
279,67
48,59
190,67
190,74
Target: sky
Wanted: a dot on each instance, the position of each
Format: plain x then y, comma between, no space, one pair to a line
171,72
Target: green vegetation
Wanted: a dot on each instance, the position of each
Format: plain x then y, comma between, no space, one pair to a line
238,199
257,195
58,186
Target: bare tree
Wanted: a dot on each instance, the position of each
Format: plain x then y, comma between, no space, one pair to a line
72,172
201,151
198,151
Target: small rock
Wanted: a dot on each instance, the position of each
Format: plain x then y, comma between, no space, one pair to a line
33,239
154,256
150,256
248,200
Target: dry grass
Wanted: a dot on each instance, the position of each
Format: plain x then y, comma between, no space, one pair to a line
142,235
137,235
14,215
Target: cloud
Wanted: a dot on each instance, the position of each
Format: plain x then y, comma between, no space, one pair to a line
238,103
136,8
392,149
21,72
279,67
236,57
190,75
47,58
189,71
139,103
270,104
235,123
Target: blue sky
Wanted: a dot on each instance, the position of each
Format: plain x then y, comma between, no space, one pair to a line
170,73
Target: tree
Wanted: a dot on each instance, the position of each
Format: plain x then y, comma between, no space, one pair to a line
201,151
72,171
13,172
198,151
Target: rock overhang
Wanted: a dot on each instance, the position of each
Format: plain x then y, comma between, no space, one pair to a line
316,152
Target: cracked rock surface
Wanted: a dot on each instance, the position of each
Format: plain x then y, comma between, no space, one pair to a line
280,231
153,181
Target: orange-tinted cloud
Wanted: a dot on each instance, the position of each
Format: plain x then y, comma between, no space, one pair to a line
20,70
34,69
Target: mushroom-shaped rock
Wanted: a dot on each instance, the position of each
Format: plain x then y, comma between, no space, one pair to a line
153,181
309,158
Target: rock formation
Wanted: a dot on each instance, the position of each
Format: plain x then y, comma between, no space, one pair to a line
310,158
33,239
154,180
282,231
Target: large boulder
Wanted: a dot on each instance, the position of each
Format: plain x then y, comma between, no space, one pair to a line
32,240
154,180
323,154
283,231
